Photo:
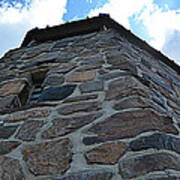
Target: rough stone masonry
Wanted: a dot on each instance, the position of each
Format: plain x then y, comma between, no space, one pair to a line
91,106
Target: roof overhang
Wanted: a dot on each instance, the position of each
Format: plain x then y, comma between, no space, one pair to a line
92,25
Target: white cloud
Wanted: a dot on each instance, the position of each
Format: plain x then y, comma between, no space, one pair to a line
164,28
171,46
45,12
159,23
89,1
121,10
16,20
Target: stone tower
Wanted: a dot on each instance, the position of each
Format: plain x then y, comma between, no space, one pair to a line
88,100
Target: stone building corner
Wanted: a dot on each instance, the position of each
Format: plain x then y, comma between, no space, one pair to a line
88,100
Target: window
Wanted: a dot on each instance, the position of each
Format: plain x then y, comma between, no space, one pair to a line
37,80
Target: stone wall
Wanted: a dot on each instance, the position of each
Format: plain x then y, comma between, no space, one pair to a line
88,107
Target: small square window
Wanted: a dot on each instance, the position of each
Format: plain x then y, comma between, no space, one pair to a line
37,80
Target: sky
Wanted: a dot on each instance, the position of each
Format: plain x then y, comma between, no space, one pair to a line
155,21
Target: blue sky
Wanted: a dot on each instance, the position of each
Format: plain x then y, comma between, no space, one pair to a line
155,21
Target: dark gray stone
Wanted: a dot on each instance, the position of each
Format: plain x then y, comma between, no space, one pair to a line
81,98
158,82
53,80
14,54
79,107
7,131
61,70
157,141
145,63
57,93
8,146
88,175
91,86
47,58
74,39
163,177
68,39
89,43
64,57
59,45
140,165
8,77
105,37
9,102
158,98
89,53
28,66
92,140
110,76
93,60
3,66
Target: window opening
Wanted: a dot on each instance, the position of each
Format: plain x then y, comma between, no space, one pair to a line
35,94
37,80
